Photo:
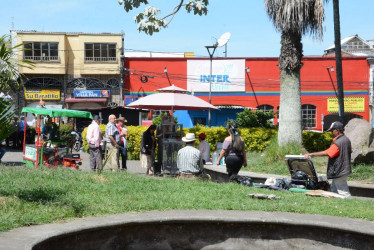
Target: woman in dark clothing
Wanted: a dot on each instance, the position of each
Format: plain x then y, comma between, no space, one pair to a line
233,149
147,149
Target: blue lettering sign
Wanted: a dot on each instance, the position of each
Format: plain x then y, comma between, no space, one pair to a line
215,78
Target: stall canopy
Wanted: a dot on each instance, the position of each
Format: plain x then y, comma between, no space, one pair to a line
58,112
171,98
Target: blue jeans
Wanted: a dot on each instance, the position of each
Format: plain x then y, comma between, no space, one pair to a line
123,153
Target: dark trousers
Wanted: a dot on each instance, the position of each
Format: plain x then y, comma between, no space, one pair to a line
234,164
95,157
123,153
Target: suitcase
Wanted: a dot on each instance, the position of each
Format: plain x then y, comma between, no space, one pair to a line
303,173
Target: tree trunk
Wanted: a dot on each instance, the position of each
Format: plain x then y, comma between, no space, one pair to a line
290,94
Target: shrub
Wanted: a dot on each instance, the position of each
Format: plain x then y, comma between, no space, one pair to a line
314,142
65,133
254,119
275,153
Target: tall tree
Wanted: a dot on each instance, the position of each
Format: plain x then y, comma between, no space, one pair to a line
293,18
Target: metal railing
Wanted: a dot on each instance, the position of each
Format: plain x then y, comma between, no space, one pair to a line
42,58
100,59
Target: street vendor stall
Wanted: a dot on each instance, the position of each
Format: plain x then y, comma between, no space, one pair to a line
48,150
169,134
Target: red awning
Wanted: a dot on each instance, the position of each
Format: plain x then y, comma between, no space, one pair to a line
86,100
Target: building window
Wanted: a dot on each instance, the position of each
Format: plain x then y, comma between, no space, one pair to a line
308,115
41,51
100,52
265,108
199,120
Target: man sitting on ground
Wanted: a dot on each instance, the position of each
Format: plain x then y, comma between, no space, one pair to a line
189,161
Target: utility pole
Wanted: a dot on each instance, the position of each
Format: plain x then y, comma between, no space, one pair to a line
338,60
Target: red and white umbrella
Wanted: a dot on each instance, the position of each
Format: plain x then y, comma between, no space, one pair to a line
171,98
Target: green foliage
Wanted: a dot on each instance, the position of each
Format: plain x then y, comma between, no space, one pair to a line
314,142
254,119
157,120
9,74
7,114
133,141
256,139
65,133
274,153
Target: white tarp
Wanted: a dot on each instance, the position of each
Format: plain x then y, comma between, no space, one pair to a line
227,75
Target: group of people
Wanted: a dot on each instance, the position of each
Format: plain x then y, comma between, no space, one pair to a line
115,141
191,160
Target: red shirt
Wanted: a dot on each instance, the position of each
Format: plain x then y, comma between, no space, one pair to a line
333,150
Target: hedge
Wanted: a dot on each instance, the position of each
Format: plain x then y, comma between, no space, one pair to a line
256,139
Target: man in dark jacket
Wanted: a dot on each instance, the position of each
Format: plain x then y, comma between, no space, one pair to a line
339,163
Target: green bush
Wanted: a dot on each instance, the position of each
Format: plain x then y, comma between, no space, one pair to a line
65,133
254,119
256,139
314,142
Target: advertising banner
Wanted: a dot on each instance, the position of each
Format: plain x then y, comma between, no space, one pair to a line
46,94
91,93
351,104
227,75
30,153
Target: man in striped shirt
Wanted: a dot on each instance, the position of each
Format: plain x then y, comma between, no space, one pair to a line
113,139
189,157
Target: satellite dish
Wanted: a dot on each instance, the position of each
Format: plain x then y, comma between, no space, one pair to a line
223,39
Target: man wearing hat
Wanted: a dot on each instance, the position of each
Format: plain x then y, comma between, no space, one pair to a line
189,158
339,163
94,138
123,142
204,148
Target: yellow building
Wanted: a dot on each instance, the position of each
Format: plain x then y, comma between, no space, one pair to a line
72,70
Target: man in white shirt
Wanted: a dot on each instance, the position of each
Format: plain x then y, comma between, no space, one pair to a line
204,148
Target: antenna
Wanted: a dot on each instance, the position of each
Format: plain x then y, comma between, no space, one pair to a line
223,39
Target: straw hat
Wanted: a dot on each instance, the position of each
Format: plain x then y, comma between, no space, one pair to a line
121,119
189,137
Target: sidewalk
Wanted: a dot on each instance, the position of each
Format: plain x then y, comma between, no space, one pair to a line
13,157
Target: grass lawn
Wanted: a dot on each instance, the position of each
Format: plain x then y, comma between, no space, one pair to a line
37,196
258,163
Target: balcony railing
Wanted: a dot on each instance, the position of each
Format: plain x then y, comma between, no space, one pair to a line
42,58
100,59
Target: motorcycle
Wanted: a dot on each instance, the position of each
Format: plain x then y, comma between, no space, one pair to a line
77,140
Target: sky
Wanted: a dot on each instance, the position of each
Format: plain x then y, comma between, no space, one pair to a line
252,32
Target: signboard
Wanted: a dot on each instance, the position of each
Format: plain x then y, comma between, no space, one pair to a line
91,93
30,153
45,94
351,104
227,75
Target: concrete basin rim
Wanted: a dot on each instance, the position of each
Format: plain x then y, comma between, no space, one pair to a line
34,235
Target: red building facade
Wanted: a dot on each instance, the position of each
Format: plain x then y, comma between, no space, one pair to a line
254,83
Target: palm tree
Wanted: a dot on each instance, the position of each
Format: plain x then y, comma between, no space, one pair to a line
10,78
293,18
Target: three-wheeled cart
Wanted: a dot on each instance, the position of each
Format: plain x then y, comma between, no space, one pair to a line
51,153
304,174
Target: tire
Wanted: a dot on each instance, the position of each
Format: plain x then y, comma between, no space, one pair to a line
77,146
